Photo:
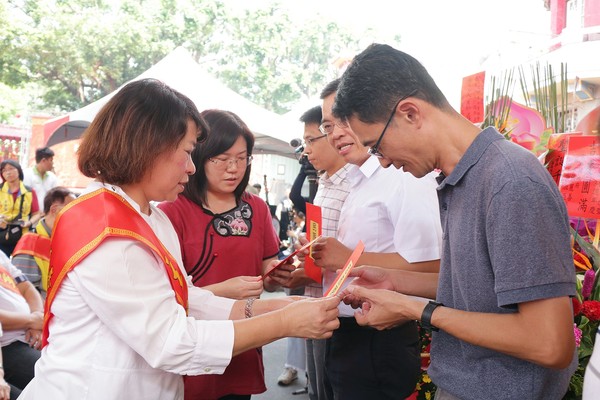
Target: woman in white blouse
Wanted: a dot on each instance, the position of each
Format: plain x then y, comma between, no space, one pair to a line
121,323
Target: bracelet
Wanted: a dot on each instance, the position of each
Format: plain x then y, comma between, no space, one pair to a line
248,307
426,316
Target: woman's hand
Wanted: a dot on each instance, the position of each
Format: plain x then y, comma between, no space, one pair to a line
238,288
36,320
34,338
312,318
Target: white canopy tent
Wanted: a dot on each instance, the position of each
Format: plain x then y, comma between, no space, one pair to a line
180,71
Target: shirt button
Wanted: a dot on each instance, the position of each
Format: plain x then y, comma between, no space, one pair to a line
207,369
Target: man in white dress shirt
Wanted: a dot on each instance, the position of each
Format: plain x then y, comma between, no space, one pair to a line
396,216
40,177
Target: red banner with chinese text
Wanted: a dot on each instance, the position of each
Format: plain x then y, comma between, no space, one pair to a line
579,181
471,97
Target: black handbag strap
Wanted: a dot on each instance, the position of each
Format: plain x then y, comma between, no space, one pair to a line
18,217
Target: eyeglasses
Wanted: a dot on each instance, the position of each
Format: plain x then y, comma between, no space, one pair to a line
327,127
224,163
309,141
374,150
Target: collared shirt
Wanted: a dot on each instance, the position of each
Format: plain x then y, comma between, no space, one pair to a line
506,241
41,184
118,331
389,210
331,194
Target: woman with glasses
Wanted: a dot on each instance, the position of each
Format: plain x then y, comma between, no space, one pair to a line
122,319
19,208
227,241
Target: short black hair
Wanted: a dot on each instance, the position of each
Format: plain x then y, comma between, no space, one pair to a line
377,78
56,194
330,88
312,116
43,152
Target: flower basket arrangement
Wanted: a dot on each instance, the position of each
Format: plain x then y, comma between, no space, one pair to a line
425,389
586,305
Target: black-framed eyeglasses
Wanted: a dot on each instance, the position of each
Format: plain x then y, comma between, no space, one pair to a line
310,140
374,150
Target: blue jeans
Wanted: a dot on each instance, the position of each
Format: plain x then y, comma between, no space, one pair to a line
19,360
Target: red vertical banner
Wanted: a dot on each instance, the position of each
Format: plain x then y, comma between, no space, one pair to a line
471,97
314,229
557,148
580,177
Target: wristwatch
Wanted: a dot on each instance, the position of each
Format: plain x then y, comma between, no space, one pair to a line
426,316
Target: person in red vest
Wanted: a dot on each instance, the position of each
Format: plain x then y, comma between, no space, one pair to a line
32,253
122,318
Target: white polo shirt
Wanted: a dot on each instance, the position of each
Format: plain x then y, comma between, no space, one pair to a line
41,185
390,211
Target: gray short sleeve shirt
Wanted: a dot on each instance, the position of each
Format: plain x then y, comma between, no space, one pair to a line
506,240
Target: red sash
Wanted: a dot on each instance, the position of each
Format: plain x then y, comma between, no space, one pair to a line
33,244
82,226
7,281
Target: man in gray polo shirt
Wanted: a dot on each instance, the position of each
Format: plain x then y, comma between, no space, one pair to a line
502,295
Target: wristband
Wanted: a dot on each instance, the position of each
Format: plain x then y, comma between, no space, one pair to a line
248,307
426,316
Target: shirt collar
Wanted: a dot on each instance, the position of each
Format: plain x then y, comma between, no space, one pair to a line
471,156
35,169
337,178
365,171
95,185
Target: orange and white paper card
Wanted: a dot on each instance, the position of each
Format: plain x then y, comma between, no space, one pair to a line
339,281
313,230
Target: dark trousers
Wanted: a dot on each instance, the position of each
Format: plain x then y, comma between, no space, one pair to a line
19,360
362,363
14,392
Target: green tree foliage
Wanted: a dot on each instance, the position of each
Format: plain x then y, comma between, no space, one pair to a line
77,51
